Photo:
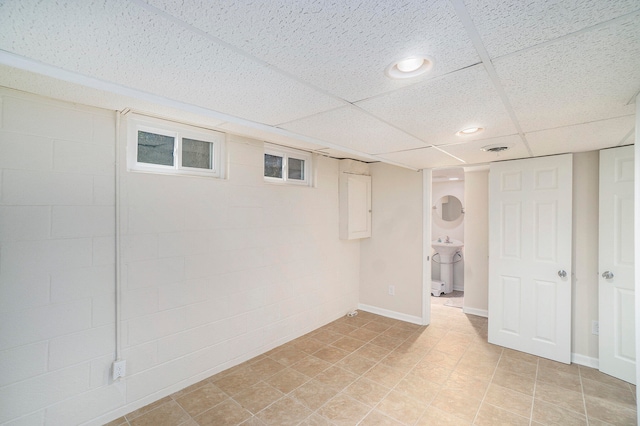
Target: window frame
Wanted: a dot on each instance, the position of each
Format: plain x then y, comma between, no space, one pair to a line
136,123
285,153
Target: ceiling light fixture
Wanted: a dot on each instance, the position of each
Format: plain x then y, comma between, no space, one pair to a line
469,131
409,67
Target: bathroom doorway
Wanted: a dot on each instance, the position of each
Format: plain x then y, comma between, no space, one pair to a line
447,234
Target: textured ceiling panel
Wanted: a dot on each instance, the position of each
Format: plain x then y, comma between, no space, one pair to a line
584,137
508,26
354,129
472,153
269,136
435,110
422,158
121,42
342,47
575,80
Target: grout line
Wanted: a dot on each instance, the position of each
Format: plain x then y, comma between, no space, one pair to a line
533,397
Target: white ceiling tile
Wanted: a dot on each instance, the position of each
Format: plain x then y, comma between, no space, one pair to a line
583,137
342,47
354,129
424,158
472,153
575,80
436,109
334,153
507,26
269,136
129,45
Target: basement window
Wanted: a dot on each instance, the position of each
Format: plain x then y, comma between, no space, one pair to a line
286,165
161,146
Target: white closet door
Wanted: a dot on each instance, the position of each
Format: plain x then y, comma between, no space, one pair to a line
530,208
617,355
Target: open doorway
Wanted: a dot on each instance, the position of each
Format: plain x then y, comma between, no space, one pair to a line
447,237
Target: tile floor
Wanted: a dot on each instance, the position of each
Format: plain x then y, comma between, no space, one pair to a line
372,370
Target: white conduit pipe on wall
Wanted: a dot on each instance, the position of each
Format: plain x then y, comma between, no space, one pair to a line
117,239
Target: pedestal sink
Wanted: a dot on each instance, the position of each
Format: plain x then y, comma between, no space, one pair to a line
447,250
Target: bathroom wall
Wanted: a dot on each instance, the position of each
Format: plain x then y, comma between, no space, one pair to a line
393,255
476,240
214,271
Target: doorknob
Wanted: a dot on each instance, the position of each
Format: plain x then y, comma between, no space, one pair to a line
562,273
607,275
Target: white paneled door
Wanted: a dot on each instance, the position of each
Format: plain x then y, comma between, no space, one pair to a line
530,207
616,264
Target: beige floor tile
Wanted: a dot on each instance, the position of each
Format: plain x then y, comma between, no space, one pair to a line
479,369
366,391
565,368
596,422
313,394
418,388
563,398
372,352
252,421
284,412
453,403
434,416
201,399
348,344
387,342
343,410
386,376
310,366
315,420
435,357
336,377
510,353
342,327
593,374
169,413
227,412
509,400
140,411
288,356
609,412
189,389
376,326
434,374
266,368
237,382
376,418
514,382
363,334
489,415
398,333
309,345
326,337
559,378
356,364
121,421
550,414
330,354
467,385
518,366
287,380
402,359
258,397
401,407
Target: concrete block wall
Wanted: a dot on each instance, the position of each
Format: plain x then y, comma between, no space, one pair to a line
214,271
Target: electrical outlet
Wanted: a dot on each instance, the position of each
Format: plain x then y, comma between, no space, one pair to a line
119,369
595,327
392,290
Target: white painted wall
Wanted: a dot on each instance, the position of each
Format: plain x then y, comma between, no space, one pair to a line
585,255
393,255
476,240
214,271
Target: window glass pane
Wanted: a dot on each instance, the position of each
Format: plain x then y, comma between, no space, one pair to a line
296,169
273,166
155,149
196,153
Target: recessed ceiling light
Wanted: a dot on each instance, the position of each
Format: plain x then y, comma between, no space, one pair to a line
409,67
470,131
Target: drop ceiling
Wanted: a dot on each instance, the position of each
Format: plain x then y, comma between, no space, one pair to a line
541,77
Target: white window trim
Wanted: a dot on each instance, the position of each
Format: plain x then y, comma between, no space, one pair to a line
178,131
285,153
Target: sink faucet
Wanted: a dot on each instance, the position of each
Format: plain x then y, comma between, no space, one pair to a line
447,240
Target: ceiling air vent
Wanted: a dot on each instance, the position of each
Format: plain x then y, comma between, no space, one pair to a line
495,148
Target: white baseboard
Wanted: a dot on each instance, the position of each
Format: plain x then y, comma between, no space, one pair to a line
585,360
477,312
391,314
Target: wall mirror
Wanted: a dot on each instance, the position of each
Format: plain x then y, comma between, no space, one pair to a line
448,208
